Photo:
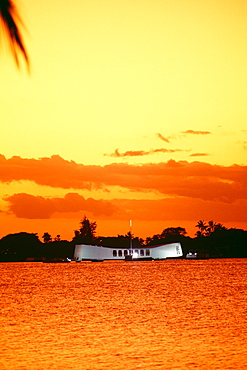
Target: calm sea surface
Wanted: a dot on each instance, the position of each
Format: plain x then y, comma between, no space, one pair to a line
173,314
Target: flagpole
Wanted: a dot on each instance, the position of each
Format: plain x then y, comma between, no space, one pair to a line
131,235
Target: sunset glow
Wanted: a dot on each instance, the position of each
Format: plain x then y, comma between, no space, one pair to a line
132,110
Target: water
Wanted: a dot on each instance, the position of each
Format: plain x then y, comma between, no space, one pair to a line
173,314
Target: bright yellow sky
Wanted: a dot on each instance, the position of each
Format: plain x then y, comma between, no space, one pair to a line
113,74
167,78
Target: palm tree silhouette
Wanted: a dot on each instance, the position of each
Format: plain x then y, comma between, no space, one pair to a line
202,226
11,22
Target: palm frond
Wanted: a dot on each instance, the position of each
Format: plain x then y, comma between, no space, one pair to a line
11,22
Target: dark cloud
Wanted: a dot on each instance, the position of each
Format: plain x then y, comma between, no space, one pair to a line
173,178
27,206
140,153
196,132
166,139
37,207
199,155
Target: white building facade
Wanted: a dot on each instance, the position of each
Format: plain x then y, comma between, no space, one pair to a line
84,252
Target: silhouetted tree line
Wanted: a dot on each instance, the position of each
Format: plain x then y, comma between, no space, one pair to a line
211,240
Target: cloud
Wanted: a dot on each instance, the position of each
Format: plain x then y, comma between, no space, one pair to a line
130,153
196,132
31,207
53,171
187,132
37,207
166,139
27,206
188,209
140,153
199,155
197,180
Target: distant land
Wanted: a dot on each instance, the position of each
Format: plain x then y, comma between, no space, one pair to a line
212,240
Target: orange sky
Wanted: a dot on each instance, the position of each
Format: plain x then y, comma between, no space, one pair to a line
132,110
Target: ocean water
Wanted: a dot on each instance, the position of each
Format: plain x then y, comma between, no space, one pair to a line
172,314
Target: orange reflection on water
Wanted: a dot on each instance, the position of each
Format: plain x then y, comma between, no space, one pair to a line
173,314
